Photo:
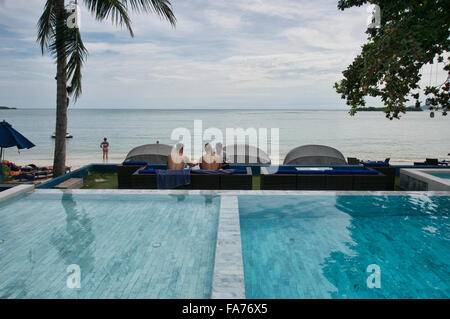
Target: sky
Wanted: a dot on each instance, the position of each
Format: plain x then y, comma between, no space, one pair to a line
222,54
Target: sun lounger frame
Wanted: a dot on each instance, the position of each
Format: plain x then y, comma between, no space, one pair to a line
198,181
327,182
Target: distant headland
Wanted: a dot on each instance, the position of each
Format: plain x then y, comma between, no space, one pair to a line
7,108
382,109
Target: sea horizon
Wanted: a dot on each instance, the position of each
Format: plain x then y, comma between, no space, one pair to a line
367,135
274,108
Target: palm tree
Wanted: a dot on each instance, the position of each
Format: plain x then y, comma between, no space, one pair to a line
66,47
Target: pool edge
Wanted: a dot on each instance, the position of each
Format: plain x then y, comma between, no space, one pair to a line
228,276
16,191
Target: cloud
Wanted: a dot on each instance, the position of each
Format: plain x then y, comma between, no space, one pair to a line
222,53
223,20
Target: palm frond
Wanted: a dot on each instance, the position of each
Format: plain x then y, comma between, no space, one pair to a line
46,25
113,9
77,53
163,8
69,43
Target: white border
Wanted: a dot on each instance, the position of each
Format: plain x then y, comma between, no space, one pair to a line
238,193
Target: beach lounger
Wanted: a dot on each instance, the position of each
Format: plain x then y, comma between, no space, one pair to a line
142,178
199,179
431,161
345,180
24,176
428,162
125,171
353,161
378,182
384,168
204,180
239,180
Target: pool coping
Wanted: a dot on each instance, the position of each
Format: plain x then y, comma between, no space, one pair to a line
228,277
238,193
424,175
15,191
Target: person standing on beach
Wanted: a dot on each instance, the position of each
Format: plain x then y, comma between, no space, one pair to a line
105,147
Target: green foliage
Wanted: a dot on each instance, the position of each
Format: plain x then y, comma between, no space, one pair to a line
6,171
412,34
99,180
51,37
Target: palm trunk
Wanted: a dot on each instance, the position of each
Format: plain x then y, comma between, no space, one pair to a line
59,160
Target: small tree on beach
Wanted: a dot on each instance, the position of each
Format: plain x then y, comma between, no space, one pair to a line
411,34
66,47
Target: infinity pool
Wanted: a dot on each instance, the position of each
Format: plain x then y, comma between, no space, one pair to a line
126,246
320,246
442,175
156,245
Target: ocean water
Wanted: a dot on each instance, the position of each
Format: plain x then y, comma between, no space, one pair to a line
326,246
368,135
126,246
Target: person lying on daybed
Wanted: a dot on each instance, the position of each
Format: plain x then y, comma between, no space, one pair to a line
210,161
176,159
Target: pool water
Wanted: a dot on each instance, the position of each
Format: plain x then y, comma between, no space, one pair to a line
127,246
442,175
320,246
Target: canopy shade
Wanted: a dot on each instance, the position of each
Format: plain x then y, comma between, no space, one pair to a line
9,137
150,153
246,154
314,155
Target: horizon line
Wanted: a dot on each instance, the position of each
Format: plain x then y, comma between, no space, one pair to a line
183,109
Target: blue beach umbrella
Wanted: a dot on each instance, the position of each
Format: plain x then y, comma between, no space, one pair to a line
9,137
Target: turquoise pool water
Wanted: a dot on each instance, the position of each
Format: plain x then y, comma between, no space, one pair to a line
442,175
321,246
127,246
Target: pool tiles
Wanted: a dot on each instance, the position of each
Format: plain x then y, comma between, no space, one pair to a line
127,246
321,246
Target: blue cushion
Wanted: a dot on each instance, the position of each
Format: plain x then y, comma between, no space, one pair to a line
376,164
286,171
295,172
316,172
329,172
147,171
220,172
134,163
351,172
42,173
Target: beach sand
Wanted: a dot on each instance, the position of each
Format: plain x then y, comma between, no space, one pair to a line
77,163
72,163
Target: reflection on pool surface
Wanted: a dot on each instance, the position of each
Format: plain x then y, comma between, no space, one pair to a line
319,246
127,246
